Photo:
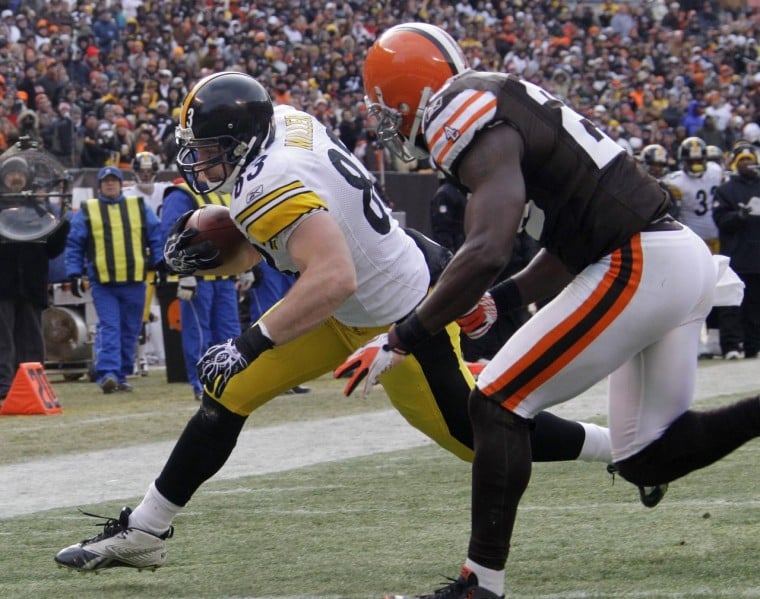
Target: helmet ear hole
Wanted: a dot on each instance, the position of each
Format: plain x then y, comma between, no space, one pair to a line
240,150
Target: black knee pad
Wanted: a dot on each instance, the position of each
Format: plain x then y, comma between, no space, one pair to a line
214,421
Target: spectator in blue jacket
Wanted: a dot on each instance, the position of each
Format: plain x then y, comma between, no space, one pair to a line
106,31
694,121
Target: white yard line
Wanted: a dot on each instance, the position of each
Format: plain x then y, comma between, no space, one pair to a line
93,477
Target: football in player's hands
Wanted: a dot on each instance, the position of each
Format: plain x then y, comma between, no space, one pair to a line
214,223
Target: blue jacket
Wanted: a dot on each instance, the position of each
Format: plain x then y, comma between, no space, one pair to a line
176,203
693,121
106,33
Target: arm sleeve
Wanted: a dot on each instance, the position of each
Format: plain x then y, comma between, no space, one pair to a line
56,243
726,217
176,203
76,244
155,237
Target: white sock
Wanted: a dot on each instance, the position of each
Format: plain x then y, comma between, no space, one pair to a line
155,512
493,580
597,447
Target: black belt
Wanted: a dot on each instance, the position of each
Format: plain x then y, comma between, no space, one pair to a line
664,223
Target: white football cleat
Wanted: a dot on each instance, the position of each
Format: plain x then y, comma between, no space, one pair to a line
118,545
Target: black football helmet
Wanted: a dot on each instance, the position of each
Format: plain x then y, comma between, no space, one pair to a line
655,159
145,166
692,154
229,113
714,154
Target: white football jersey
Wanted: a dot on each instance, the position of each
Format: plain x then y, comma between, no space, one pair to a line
696,199
153,194
305,169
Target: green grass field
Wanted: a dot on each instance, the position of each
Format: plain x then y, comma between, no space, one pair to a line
394,522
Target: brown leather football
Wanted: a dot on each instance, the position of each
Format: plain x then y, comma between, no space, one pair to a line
214,223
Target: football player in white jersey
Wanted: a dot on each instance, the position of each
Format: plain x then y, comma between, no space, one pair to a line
310,207
630,284
696,182
693,187
146,166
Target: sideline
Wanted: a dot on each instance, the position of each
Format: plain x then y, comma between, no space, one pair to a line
93,477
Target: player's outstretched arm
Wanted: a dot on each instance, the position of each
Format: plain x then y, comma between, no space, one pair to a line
327,278
491,171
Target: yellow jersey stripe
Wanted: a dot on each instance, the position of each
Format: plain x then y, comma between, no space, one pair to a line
274,217
270,197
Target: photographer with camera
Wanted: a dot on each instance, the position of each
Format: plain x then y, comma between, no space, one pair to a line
97,144
24,272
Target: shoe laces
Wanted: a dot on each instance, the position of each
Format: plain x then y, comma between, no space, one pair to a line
114,526
456,587
111,526
612,470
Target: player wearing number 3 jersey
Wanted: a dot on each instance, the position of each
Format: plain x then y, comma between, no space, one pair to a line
632,285
311,208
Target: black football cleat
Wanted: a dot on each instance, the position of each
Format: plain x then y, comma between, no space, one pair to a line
649,496
464,587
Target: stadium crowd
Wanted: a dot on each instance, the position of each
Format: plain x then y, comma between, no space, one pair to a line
99,81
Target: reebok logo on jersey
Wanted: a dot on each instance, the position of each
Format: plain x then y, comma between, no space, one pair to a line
451,133
254,194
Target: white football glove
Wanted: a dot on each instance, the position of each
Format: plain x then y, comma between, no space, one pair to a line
245,281
188,287
367,363
480,319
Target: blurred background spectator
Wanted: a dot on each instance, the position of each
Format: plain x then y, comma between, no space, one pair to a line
737,215
654,64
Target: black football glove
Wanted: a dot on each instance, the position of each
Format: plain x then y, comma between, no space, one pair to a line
162,272
77,285
223,361
182,257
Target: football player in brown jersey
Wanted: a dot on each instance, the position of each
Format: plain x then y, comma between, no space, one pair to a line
631,285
